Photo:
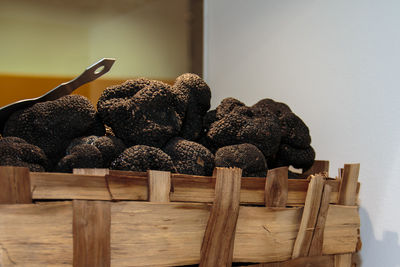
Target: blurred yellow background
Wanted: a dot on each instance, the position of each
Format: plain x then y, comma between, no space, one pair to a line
47,42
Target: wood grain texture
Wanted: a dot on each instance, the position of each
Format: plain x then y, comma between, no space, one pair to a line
124,185
343,260
348,196
349,184
341,229
309,218
219,236
36,234
91,231
171,234
319,166
68,186
160,234
93,172
318,237
276,187
316,261
15,185
159,186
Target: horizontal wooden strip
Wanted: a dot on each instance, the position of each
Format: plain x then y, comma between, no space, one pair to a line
68,186
315,261
144,233
171,234
122,185
340,237
36,234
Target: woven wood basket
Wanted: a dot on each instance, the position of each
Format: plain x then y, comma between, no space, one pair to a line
97,217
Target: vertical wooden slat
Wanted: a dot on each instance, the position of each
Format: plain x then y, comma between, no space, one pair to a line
318,237
309,218
15,185
219,236
91,233
276,187
347,196
348,186
343,260
319,166
159,186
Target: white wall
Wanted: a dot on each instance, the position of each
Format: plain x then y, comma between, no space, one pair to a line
337,65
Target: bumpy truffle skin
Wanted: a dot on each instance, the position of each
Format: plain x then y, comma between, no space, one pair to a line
15,151
142,158
142,111
294,131
198,96
52,125
226,106
270,105
245,156
81,156
109,146
298,158
242,125
190,157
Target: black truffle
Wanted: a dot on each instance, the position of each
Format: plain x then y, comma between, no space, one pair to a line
242,125
110,147
198,96
142,111
245,156
190,157
142,158
226,106
298,158
294,131
52,125
269,105
15,151
80,156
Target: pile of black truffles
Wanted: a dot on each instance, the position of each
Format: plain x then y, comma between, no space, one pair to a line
145,124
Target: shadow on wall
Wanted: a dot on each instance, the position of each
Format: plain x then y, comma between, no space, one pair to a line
385,252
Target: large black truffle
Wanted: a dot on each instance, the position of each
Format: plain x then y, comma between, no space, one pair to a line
80,156
110,147
269,105
142,158
297,157
242,125
190,157
52,125
198,96
143,111
15,151
245,156
294,131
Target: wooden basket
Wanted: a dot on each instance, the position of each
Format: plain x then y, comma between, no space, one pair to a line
114,218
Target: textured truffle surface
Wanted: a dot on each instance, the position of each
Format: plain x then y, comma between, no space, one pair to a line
298,158
242,125
110,147
245,156
198,96
15,151
52,125
190,157
80,156
143,111
269,105
294,131
142,158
